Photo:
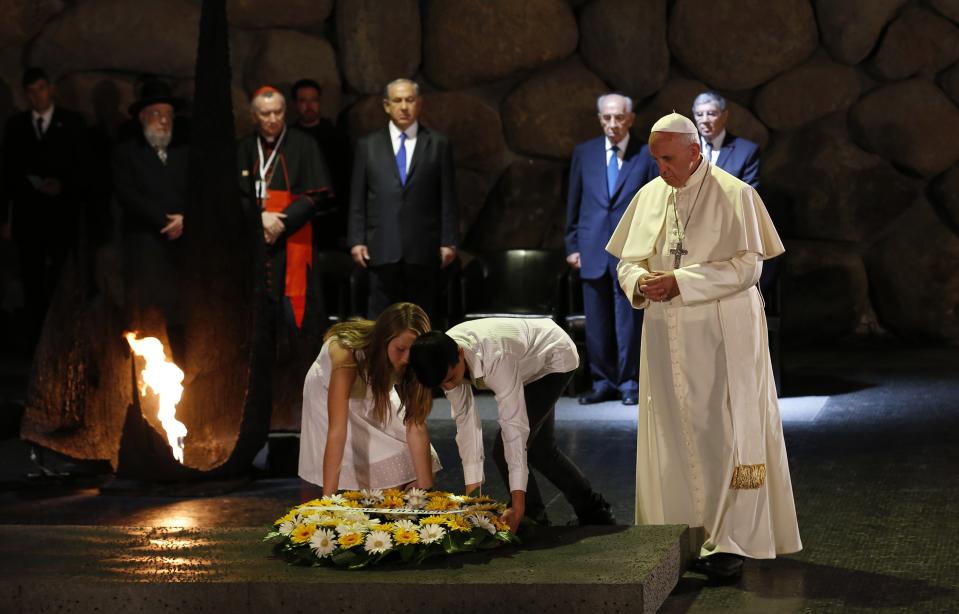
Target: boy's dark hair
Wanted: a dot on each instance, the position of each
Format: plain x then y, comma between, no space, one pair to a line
305,83
34,74
431,357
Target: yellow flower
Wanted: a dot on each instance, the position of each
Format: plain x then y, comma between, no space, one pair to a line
442,519
329,521
312,503
458,523
351,503
483,507
353,495
393,502
384,526
403,536
348,540
440,504
290,515
500,525
302,533
393,492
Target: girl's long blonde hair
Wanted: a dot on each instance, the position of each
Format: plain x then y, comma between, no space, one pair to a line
368,341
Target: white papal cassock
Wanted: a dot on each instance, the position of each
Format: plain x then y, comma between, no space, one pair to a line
710,448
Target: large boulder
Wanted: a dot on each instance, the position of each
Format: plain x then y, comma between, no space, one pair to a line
948,8
911,123
472,188
473,126
709,39
365,116
22,19
152,37
806,93
678,95
474,41
278,13
552,111
807,185
918,41
377,46
624,42
944,193
525,209
949,82
283,57
824,290
912,274
103,98
851,28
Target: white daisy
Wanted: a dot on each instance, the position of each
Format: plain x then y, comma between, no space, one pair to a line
482,522
322,542
430,533
378,542
287,527
371,497
336,499
406,525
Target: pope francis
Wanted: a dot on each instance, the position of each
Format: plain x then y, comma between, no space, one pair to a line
710,448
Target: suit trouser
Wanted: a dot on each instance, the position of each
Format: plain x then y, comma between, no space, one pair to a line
401,281
541,451
613,333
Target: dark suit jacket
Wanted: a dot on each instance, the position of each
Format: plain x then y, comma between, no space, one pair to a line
146,189
397,222
740,157
591,215
58,155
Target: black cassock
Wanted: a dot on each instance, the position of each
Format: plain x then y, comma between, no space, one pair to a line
297,176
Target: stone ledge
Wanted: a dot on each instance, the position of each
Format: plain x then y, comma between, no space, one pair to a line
89,568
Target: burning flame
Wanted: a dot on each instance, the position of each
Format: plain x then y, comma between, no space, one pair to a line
164,379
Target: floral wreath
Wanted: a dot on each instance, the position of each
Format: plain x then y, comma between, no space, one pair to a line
357,528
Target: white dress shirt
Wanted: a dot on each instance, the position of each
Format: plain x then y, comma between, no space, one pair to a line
411,133
717,144
47,117
503,355
619,154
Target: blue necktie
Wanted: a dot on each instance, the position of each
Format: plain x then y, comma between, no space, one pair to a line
401,159
612,171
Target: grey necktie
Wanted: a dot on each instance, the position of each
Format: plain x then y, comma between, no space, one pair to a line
161,153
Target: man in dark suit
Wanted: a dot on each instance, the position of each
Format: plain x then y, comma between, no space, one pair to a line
150,175
605,174
403,219
737,156
42,177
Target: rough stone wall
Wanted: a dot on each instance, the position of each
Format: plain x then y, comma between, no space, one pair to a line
854,104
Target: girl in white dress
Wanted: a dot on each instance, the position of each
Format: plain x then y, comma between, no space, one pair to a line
358,430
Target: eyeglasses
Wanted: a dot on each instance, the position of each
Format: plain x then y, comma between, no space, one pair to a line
160,115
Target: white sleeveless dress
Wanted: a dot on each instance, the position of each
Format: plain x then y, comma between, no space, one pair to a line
375,455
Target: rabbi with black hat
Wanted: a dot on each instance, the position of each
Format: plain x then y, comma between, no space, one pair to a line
150,174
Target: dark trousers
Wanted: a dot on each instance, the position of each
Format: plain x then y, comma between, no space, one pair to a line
613,333
541,451
401,281
42,256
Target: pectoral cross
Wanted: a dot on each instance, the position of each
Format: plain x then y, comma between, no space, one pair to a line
677,253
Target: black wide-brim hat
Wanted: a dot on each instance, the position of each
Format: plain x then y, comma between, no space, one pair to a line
155,92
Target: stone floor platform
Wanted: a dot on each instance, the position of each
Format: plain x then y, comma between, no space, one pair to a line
69,568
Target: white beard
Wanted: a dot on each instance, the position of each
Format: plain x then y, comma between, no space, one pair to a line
157,140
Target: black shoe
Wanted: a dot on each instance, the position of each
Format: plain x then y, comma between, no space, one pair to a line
630,398
720,566
595,511
598,396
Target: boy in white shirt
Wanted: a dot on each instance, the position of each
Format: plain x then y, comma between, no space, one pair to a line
527,363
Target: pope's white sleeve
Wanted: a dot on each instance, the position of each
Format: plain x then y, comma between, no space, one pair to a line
469,432
629,273
708,281
503,378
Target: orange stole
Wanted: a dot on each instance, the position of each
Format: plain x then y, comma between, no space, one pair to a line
299,255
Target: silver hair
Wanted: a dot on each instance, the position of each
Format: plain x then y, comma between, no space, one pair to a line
629,101
710,96
267,95
386,90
